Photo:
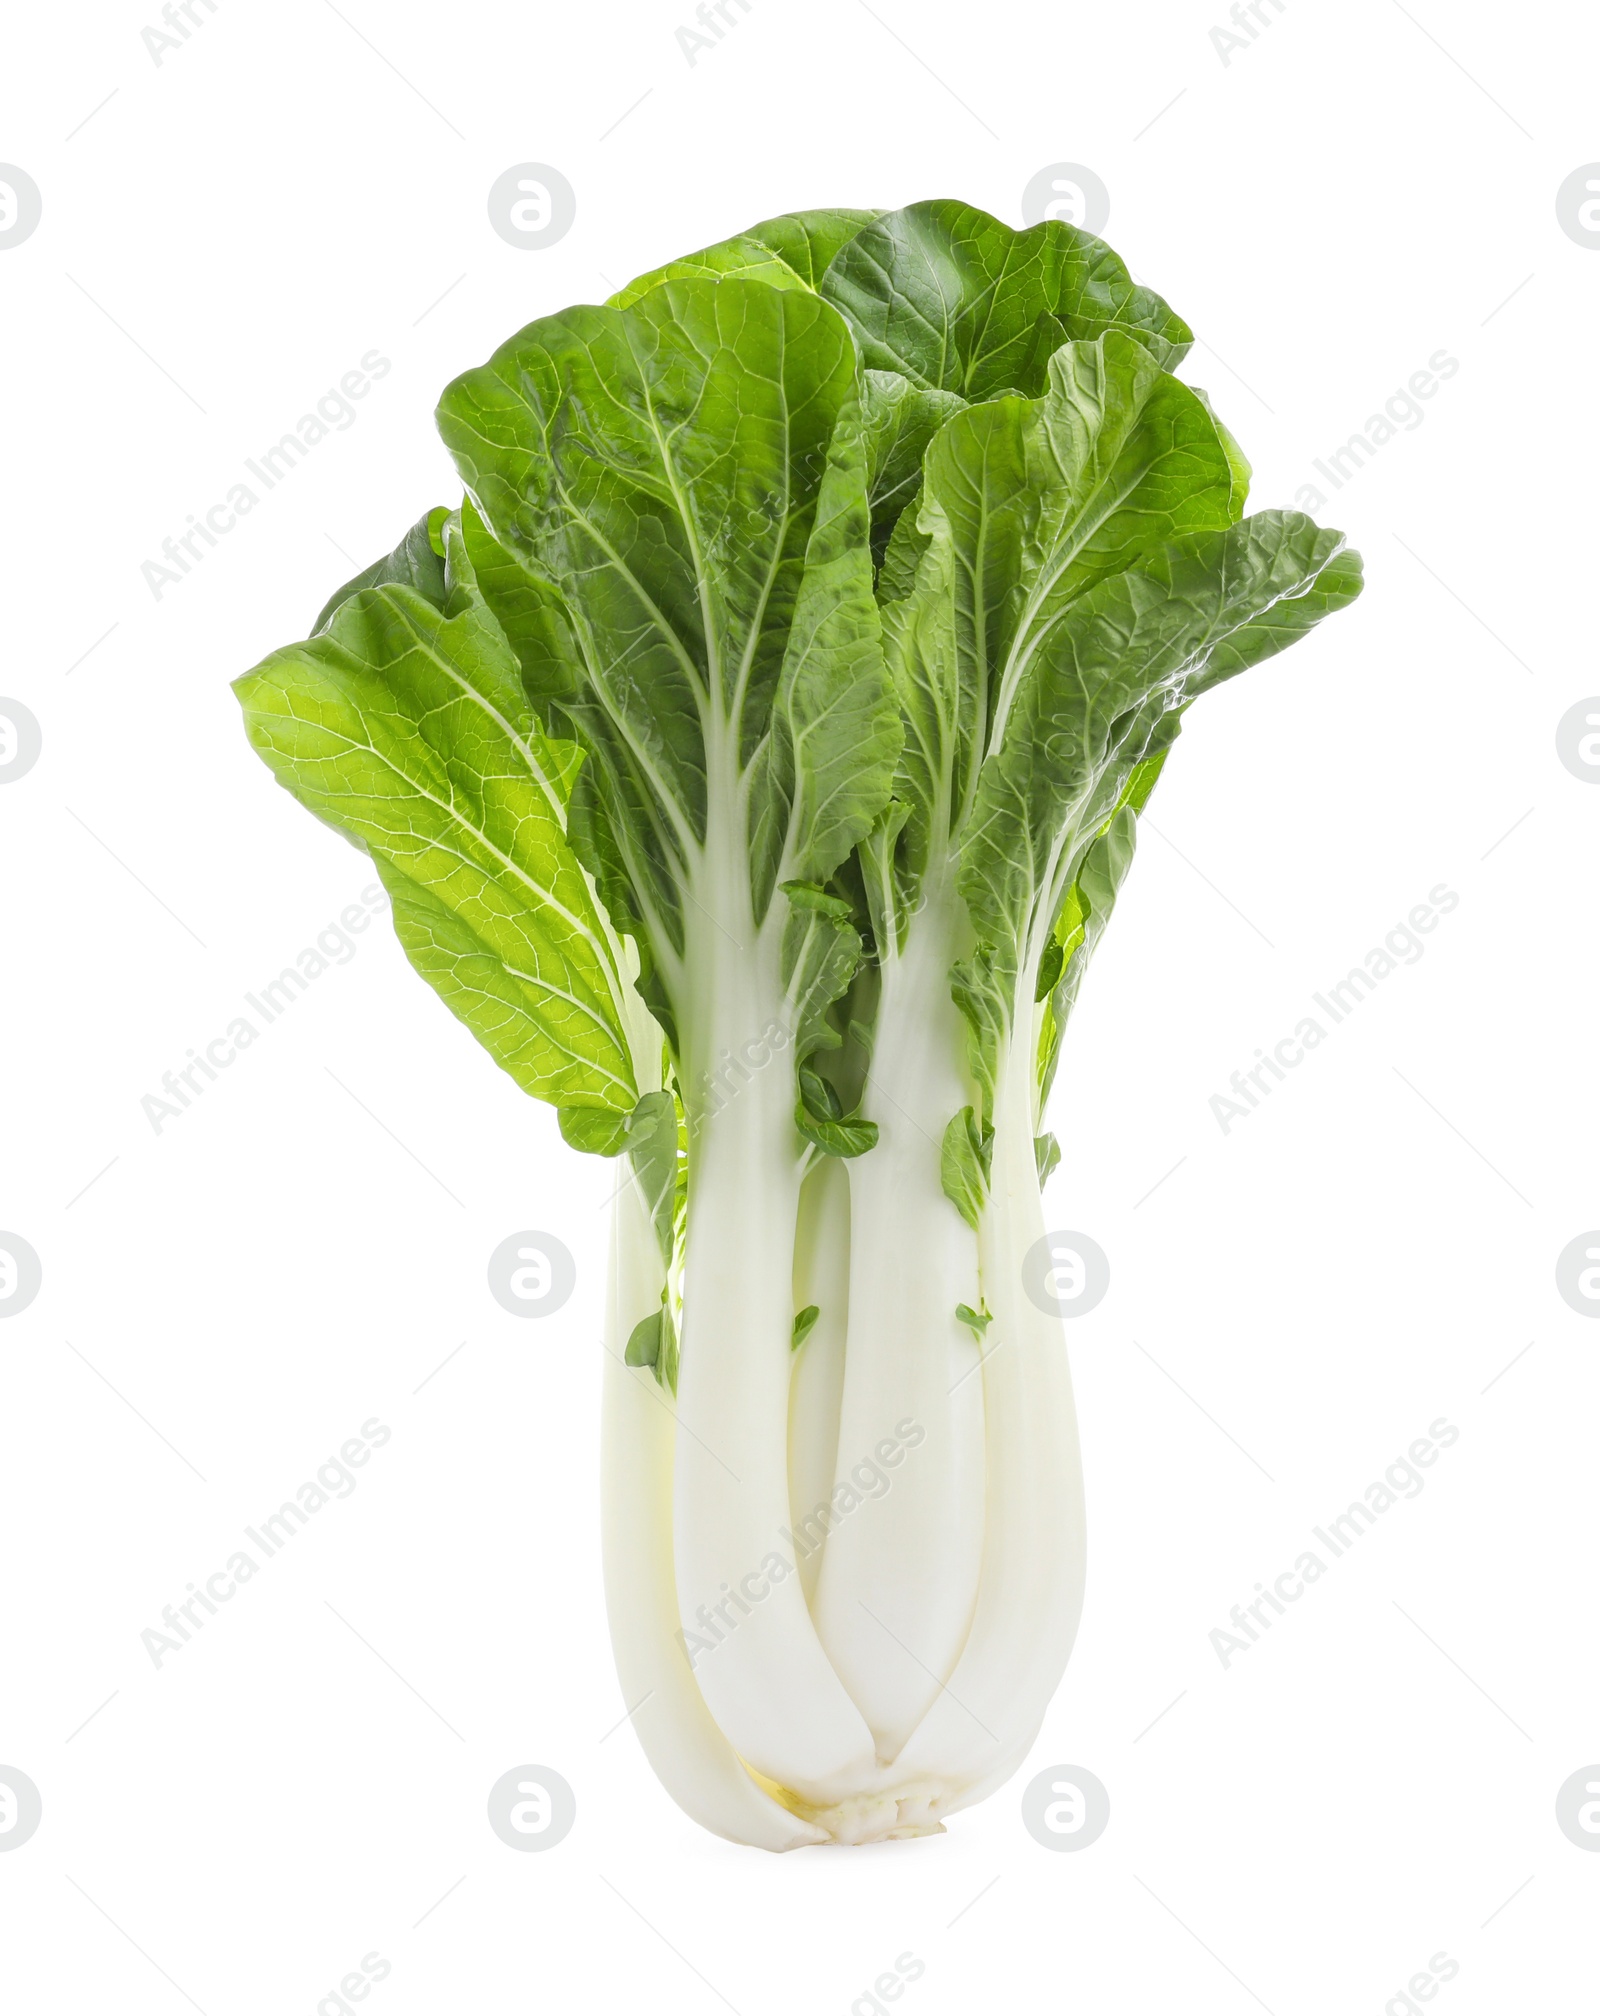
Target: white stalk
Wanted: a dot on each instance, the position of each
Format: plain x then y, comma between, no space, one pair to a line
900,1575
687,1751
1031,1587
755,1652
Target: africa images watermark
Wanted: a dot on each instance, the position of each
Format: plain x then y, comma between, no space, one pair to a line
335,946
1402,1479
356,1986
180,20
737,1067
869,1479
1244,15
335,413
1402,413
335,1478
710,16
1402,946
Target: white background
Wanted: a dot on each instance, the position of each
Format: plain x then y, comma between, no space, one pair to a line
1300,1298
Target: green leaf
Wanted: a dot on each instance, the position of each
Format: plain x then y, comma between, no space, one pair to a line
593,1130
804,1324
964,1157
983,991
1047,1156
808,896
901,419
1136,793
789,251
1235,454
1278,548
976,1320
417,562
844,1138
653,1345
644,1341
651,1135
1087,910
1027,503
409,732
897,571
822,1099
529,611
680,489
1097,701
1089,905
821,956
822,772
953,299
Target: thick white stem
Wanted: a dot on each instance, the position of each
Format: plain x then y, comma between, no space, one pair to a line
900,1576
1031,1587
687,1751
754,1649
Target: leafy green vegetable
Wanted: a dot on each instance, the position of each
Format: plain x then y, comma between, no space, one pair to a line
754,759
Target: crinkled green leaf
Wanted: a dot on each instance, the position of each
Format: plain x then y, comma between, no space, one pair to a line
1104,867
409,731
884,891
897,570
530,612
901,419
682,485
1026,503
1079,928
952,298
1095,704
821,955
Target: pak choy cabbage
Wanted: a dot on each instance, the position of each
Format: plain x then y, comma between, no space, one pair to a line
752,759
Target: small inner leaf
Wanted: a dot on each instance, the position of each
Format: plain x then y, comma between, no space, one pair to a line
844,1138
644,1345
964,1164
821,1099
